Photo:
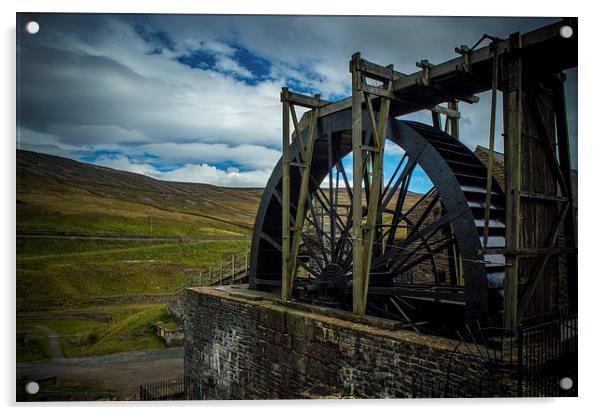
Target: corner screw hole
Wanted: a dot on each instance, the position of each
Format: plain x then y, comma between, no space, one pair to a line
32,28
32,388
566,384
566,32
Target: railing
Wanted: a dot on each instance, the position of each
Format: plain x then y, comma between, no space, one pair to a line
232,268
179,389
547,362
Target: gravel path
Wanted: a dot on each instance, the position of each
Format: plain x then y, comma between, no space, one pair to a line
56,351
122,373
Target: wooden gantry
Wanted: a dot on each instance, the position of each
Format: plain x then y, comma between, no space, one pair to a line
527,69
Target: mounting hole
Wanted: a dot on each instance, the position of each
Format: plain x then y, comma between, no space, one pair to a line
32,388
566,32
566,384
32,27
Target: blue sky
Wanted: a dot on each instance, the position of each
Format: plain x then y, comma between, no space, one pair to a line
196,98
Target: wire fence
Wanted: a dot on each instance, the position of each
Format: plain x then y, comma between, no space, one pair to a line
230,269
547,362
178,389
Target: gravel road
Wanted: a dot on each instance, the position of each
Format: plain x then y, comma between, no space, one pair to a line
122,373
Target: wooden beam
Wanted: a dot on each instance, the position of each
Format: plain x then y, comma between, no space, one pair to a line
513,122
541,265
301,202
446,111
304,100
454,122
287,282
492,115
376,71
536,39
375,191
357,140
564,158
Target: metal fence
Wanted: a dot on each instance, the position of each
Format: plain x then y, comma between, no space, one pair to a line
179,389
547,361
232,268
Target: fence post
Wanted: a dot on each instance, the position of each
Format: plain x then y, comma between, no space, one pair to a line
519,341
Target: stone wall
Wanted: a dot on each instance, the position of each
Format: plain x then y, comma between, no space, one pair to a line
242,345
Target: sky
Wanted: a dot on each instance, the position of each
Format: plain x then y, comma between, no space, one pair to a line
195,98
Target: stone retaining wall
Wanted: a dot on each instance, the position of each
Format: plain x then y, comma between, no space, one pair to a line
242,345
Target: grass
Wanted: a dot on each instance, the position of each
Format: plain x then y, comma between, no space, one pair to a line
65,283
47,278
49,205
34,348
131,328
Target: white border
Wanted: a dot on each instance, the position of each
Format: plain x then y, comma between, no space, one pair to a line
590,156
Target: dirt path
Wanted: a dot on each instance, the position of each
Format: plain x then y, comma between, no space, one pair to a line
56,351
122,373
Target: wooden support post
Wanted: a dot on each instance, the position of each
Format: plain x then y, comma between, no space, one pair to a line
436,119
303,192
375,192
363,234
494,87
564,158
287,285
454,122
513,123
356,206
290,247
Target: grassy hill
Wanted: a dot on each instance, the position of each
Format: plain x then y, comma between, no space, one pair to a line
55,193
91,238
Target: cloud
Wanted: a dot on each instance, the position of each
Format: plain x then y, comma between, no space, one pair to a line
202,90
94,134
251,156
231,177
194,173
121,162
228,65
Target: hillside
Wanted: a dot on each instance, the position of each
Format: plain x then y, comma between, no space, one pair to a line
59,194
101,251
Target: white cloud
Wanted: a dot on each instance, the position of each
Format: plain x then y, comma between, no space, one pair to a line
232,177
121,162
192,173
226,64
251,156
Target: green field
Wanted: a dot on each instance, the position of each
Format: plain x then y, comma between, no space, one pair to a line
118,328
104,293
58,277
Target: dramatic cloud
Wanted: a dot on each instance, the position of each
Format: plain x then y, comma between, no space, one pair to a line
196,98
